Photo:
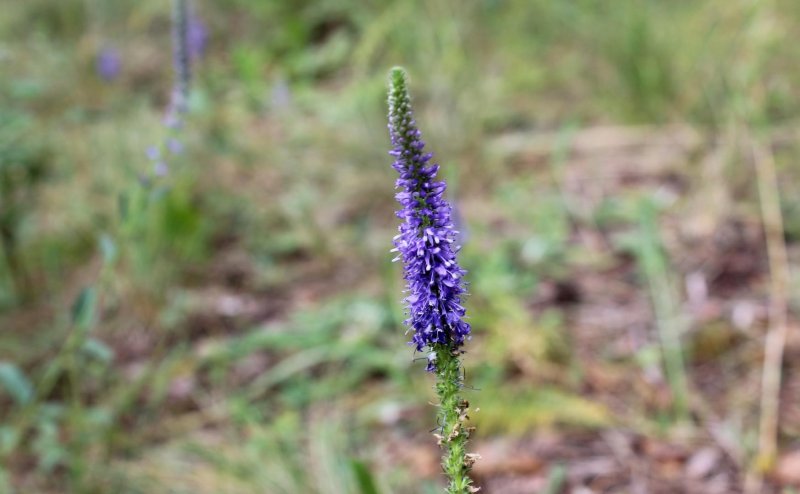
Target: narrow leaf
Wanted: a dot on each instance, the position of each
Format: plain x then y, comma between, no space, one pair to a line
364,478
15,382
84,308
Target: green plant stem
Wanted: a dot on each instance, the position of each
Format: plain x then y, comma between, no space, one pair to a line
452,415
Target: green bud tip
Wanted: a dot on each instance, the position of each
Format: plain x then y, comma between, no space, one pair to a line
398,77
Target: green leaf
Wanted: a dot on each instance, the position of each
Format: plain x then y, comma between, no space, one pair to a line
98,350
108,249
364,478
84,308
556,479
15,382
9,440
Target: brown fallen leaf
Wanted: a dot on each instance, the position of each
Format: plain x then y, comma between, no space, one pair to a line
664,451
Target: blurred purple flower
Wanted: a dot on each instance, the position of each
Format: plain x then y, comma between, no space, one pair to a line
180,58
161,169
179,97
108,64
153,153
189,37
174,145
197,37
281,94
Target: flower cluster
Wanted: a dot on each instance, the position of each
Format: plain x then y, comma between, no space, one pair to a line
426,242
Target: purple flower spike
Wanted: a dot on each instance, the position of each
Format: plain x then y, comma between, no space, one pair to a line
108,64
426,242
188,41
180,56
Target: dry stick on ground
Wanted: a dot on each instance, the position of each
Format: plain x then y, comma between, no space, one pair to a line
766,177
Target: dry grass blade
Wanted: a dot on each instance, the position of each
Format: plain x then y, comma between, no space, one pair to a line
766,176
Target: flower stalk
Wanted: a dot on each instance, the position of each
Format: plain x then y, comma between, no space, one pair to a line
181,54
454,433
426,245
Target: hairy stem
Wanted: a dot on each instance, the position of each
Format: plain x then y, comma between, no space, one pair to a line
452,415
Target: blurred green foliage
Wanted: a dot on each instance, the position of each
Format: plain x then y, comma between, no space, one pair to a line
240,321
24,163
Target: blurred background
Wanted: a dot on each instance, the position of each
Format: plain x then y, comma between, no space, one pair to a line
624,175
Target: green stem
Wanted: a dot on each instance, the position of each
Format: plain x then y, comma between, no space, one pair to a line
452,415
